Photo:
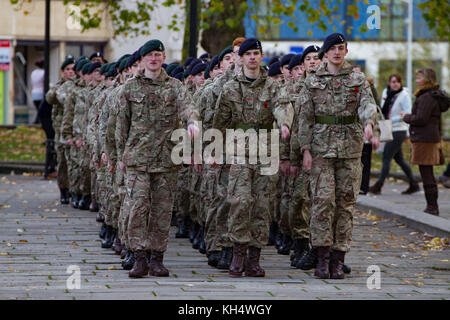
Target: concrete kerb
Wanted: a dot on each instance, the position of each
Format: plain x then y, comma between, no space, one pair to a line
415,219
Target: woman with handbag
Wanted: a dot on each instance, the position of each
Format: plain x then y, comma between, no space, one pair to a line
395,99
425,130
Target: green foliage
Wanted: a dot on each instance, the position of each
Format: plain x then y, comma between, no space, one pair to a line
437,15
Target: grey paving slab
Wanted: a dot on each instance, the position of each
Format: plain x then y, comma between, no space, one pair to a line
39,239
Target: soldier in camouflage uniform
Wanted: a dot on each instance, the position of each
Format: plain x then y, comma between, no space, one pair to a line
336,111
250,100
56,96
98,85
75,97
218,242
150,105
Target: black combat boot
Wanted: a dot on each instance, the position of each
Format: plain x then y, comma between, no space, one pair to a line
225,258
173,221
128,262
156,267
93,207
272,233
75,199
278,239
65,197
84,203
285,247
109,237
308,261
252,267
301,248
102,232
195,227
213,258
198,238
183,228
99,217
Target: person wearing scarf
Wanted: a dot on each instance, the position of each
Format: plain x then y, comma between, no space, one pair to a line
394,101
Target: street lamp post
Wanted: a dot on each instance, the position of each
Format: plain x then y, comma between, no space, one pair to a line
47,47
409,46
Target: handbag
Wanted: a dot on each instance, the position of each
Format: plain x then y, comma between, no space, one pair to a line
385,126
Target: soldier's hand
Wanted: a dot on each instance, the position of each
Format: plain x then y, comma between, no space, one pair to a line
295,171
285,167
78,143
104,158
368,132
193,130
375,143
307,160
285,132
70,142
111,167
122,167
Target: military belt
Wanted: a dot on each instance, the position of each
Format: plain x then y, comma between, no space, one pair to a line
336,119
257,127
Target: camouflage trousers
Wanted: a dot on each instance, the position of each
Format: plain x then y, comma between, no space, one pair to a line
120,216
113,206
94,182
182,193
195,198
283,206
249,193
299,206
80,176
102,189
149,200
218,207
61,166
334,188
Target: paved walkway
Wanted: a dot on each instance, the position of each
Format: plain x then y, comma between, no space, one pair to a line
39,239
392,192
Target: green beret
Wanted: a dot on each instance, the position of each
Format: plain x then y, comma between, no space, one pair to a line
67,62
112,65
123,64
171,67
85,68
80,64
104,68
225,51
151,46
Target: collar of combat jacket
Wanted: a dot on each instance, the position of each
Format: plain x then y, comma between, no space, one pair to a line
240,76
322,70
160,80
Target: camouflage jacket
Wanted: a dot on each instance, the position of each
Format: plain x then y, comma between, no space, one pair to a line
295,154
259,103
57,109
150,110
110,110
94,118
344,94
75,100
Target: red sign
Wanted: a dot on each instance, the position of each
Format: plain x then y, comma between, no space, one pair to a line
5,55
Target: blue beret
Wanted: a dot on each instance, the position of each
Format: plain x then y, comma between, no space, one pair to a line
273,60
94,66
96,54
286,59
225,51
295,61
104,68
171,67
164,65
205,56
80,64
123,64
331,40
309,50
177,70
69,60
151,45
198,68
250,44
179,76
188,62
193,63
274,69
85,68
214,61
